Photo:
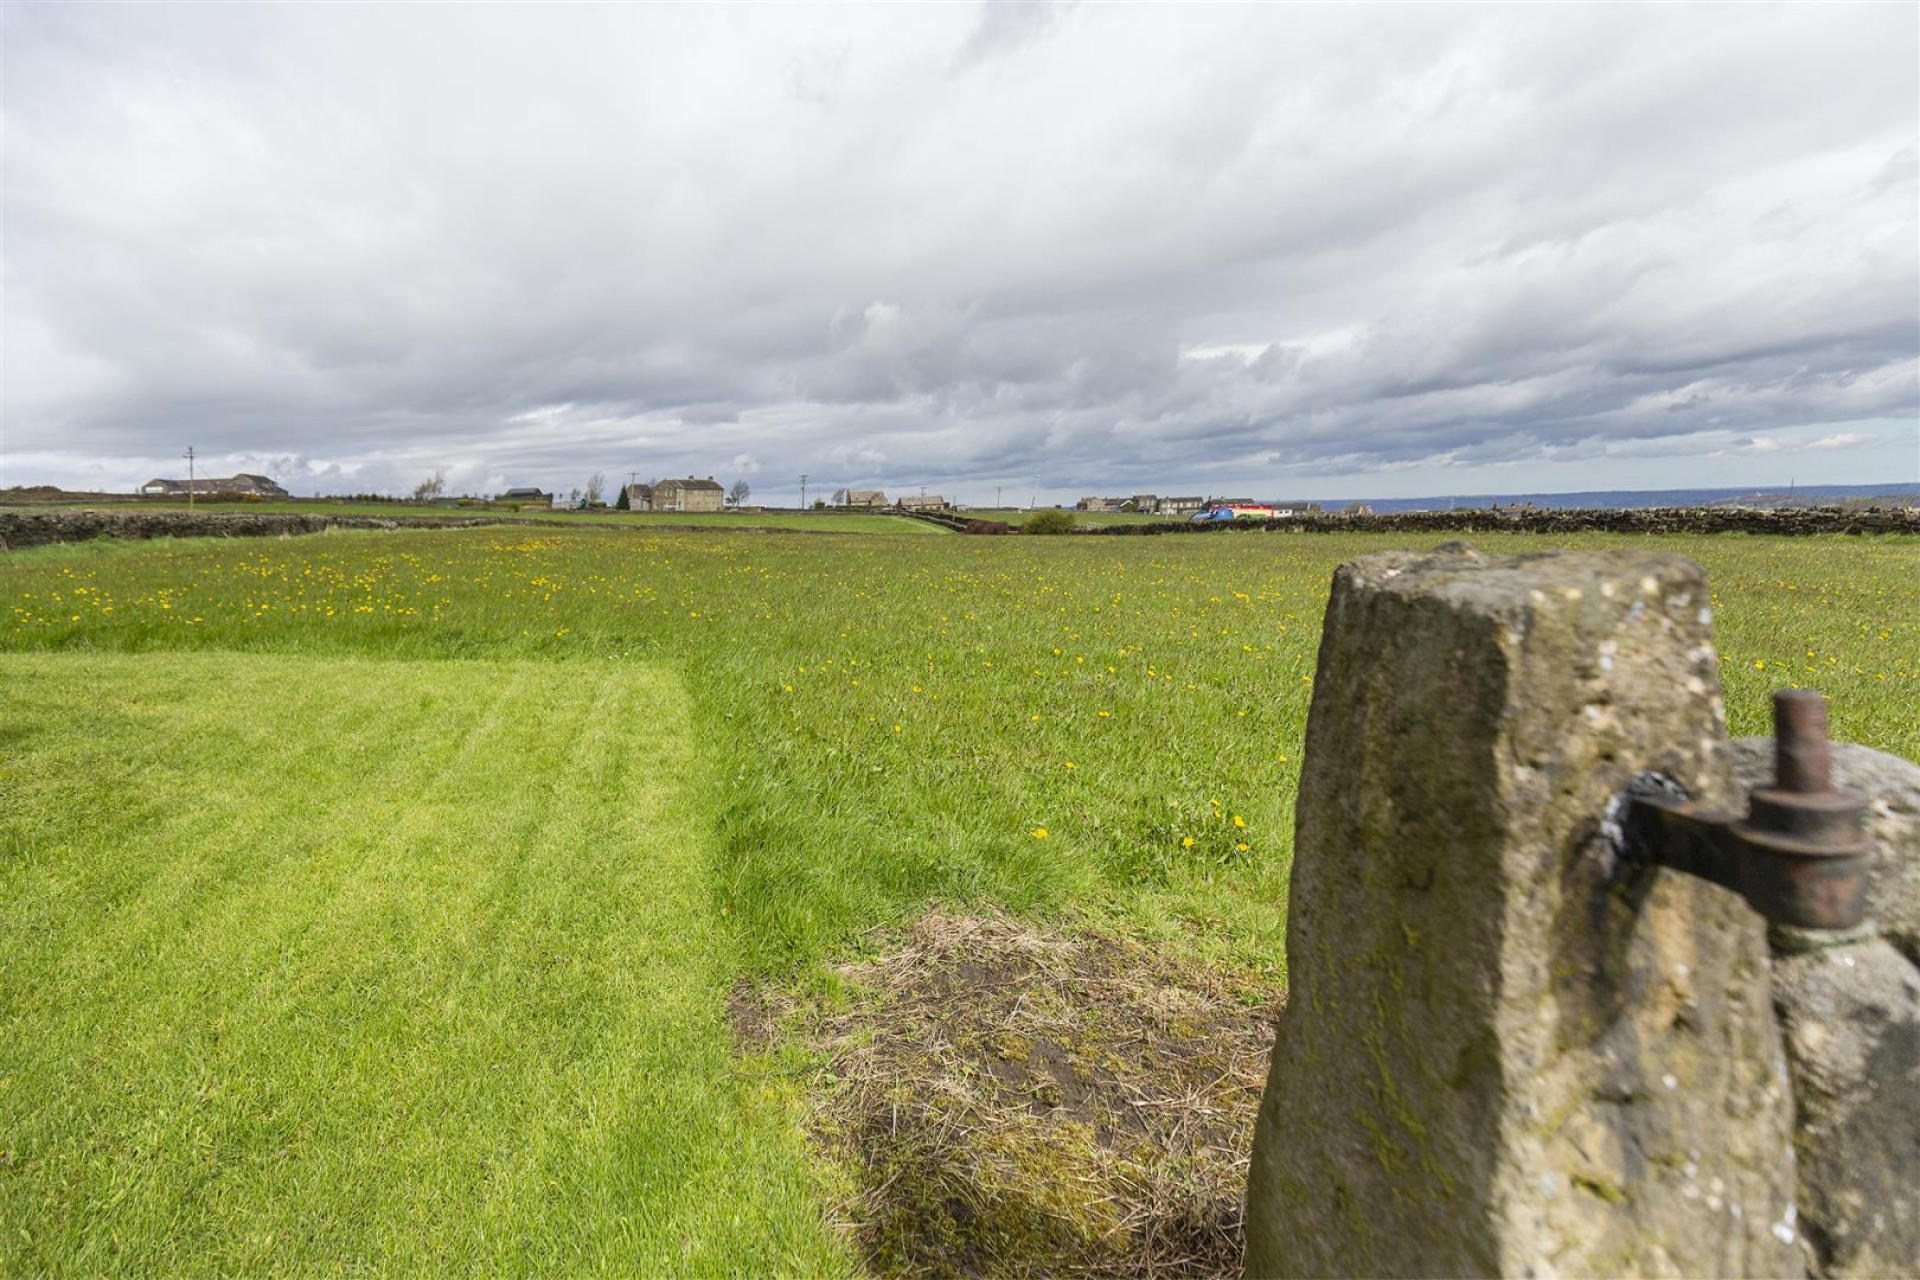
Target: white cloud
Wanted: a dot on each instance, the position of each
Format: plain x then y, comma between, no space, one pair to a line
1108,246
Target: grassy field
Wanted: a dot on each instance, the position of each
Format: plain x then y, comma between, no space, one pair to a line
1101,728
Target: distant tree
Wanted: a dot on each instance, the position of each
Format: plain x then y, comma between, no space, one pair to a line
622,503
839,497
596,485
737,496
430,488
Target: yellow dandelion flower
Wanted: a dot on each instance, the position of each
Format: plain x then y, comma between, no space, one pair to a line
1239,821
1039,833
1186,842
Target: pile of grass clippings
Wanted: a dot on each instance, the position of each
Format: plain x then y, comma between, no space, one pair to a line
1013,1101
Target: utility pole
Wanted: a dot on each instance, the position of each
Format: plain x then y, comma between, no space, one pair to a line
996,495
803,491
189,477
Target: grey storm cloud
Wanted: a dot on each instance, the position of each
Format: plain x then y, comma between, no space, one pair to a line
1092,246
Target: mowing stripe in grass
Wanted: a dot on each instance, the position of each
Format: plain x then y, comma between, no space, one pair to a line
340,964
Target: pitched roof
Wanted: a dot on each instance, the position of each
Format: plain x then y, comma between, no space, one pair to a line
691,483
242,483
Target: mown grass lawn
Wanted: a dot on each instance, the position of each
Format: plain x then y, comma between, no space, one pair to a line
333,964
1107,728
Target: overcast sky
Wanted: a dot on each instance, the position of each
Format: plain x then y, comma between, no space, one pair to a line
1277,250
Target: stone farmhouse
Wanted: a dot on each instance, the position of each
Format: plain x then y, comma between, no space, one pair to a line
872,499
638,497
529,496
922,502
689,495
242,484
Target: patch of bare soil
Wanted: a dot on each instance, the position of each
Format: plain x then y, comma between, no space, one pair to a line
1018,1102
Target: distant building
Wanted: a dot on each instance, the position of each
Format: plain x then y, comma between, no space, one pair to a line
639,497
1145,502
1356,509
526,497
1181,506
242,484
872,499
922,502
689,495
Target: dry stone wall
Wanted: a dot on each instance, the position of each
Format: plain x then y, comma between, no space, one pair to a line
1776,523
20,530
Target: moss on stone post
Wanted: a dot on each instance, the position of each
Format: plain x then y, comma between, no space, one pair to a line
1503,1054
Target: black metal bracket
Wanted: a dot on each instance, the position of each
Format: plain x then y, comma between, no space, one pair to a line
1799,855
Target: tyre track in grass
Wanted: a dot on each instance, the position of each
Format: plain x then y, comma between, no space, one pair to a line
417,971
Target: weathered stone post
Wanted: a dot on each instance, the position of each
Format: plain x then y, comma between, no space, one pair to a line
1849,1009
1502,1052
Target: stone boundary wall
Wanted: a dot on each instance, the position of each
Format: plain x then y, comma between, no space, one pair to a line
20,530
1788,522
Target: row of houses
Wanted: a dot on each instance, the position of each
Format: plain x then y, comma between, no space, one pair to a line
1146,504
1151,504
876,500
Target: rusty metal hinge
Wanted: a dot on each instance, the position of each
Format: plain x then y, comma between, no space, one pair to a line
1799,855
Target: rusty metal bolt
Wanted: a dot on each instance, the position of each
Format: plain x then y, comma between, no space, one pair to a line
1802,760
1800,855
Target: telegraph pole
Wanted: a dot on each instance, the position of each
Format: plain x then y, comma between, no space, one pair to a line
996,495
189,477
803,491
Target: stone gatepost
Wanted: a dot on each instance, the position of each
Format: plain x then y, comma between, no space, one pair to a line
1502,1052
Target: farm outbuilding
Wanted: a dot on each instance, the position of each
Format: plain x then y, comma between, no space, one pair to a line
242,484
